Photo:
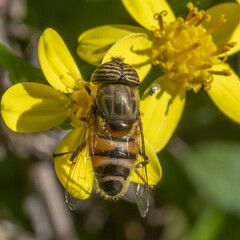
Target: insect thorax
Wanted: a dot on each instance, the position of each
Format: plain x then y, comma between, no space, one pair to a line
118,105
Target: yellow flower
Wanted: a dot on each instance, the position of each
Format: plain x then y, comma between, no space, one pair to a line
32,107
191,53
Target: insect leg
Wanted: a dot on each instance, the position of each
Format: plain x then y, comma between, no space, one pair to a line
88,89
143,163
62,154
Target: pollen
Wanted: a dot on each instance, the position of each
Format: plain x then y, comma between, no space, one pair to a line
185,50
78,107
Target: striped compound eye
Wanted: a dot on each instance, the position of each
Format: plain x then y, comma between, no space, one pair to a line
115,71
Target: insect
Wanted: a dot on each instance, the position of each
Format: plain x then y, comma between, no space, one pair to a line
110,149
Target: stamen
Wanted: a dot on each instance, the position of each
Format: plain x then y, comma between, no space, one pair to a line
159,17
224,72
205,17
192,11
179,28
203,66
191,48
225,58
209,79
207,87
185,50
196,19
232,44
196,80
224,48
217,24
221,50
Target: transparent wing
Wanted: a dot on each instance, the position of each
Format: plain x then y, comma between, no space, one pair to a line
140,176
144,177
72,202
147,173
142,197
73,166
141,186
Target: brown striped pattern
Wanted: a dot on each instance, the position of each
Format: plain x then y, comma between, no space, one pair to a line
113,160
115,71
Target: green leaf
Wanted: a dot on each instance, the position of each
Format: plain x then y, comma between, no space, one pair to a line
213,224
19,69
214,169
208,225
66,125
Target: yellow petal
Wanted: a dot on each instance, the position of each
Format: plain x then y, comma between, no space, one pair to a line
94,43
154,170
224,92
33,107
229,31
76,175
57,63
143,11
134,50
161,112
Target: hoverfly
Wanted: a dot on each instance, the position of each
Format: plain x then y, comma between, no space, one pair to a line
110,149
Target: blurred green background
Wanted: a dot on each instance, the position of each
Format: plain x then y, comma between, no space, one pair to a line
199,195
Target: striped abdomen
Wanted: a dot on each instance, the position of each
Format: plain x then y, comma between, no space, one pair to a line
113,160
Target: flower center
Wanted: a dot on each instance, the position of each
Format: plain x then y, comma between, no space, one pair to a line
185,49
78,107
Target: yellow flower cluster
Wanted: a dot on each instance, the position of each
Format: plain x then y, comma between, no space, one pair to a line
32,107
191,52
